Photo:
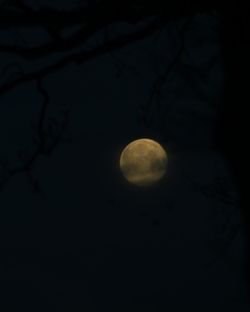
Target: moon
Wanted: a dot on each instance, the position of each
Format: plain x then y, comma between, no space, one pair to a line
143,162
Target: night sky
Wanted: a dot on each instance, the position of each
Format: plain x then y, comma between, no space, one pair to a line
75,236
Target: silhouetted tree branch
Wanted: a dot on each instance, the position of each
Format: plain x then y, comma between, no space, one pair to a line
122,11
224,217
84,56
48,133
91,19
154,102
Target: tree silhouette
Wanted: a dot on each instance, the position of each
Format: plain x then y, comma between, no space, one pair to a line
69,37
83,22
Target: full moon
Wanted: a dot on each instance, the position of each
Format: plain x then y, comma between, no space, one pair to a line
143,162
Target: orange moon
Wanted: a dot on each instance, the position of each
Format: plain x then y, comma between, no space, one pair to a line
143,162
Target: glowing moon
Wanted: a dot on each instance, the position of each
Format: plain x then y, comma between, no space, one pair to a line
143,162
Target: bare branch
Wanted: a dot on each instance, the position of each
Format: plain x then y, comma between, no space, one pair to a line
48,136
220,188
83,56
225,218
58,45
41,132
145,113
123,11
90,21
223,240
18,5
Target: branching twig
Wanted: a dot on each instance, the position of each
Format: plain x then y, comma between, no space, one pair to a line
92,18
48,135
84,56
45,103
223,240
145,113
220,188
20,5
58,45
227,217
121,64
124,11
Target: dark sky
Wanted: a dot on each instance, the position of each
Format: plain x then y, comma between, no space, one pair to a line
85,239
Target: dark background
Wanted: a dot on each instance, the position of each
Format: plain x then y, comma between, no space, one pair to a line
79,80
